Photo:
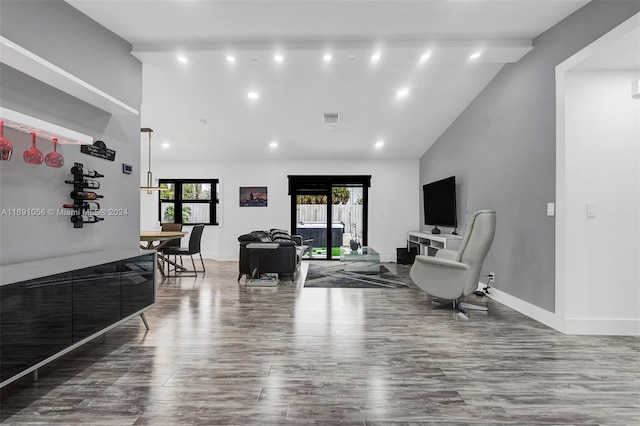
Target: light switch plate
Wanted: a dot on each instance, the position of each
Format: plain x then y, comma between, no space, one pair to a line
591,210
551,209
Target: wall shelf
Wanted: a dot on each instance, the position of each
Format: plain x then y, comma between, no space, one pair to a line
39,68
27,124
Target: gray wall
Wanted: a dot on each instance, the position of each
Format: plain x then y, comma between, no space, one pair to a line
60,34
502,151
66,37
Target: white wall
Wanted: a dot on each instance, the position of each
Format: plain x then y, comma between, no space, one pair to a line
602,168
393,199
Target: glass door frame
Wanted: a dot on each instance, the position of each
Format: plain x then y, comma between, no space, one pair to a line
300,183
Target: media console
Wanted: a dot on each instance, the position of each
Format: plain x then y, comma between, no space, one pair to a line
429,243
50,307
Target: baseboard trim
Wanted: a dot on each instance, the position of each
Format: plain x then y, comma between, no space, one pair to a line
574,326
221,257
532,311
605,327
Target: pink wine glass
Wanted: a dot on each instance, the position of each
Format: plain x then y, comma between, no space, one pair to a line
6,147
33,155
53,159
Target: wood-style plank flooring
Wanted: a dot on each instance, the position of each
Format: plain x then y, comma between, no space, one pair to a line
220,353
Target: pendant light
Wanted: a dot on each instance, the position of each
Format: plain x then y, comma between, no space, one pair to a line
150,188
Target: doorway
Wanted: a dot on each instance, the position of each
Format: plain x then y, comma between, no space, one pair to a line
329,212
598,185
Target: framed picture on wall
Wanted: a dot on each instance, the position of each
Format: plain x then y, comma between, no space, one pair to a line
253,196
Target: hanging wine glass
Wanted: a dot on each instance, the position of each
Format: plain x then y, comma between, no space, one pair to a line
54,159
33,155
6,147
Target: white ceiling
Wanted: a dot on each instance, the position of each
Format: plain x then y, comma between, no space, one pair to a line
202,110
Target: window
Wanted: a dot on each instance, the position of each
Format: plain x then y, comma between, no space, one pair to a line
195,199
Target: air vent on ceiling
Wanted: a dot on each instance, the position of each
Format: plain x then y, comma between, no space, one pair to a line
330,118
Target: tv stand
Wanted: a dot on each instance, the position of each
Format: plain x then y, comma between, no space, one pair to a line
435,231
428,242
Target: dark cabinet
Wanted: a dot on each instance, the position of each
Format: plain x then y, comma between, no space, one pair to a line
42,318
138,287
96,299
35,322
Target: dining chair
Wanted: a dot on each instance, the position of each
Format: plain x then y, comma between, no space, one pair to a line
172,227
169,227
194,248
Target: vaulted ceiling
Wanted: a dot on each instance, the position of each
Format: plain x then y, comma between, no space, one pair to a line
229,79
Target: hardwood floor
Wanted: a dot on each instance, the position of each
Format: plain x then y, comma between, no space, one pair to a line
221,353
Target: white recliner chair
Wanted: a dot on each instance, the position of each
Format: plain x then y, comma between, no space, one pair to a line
453,275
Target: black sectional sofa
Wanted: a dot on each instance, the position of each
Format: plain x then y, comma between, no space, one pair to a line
284,260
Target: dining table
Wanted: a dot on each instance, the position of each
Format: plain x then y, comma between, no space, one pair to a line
157,240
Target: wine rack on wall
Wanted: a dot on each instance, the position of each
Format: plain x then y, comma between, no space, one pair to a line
84,201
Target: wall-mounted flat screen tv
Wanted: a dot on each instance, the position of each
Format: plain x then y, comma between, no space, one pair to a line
440,204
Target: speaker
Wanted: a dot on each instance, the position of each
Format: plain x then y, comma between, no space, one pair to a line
406,256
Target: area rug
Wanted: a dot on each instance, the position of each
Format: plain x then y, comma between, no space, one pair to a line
334,275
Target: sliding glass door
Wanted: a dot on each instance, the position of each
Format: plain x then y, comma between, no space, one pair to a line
347,208
329,212
311,222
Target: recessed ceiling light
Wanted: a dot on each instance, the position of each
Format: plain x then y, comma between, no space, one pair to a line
182,59
402,93
253,95
231,59
476,55
327,57
425,57
379,144
273,144
351,57
166,145
254,58
278,58
375,57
